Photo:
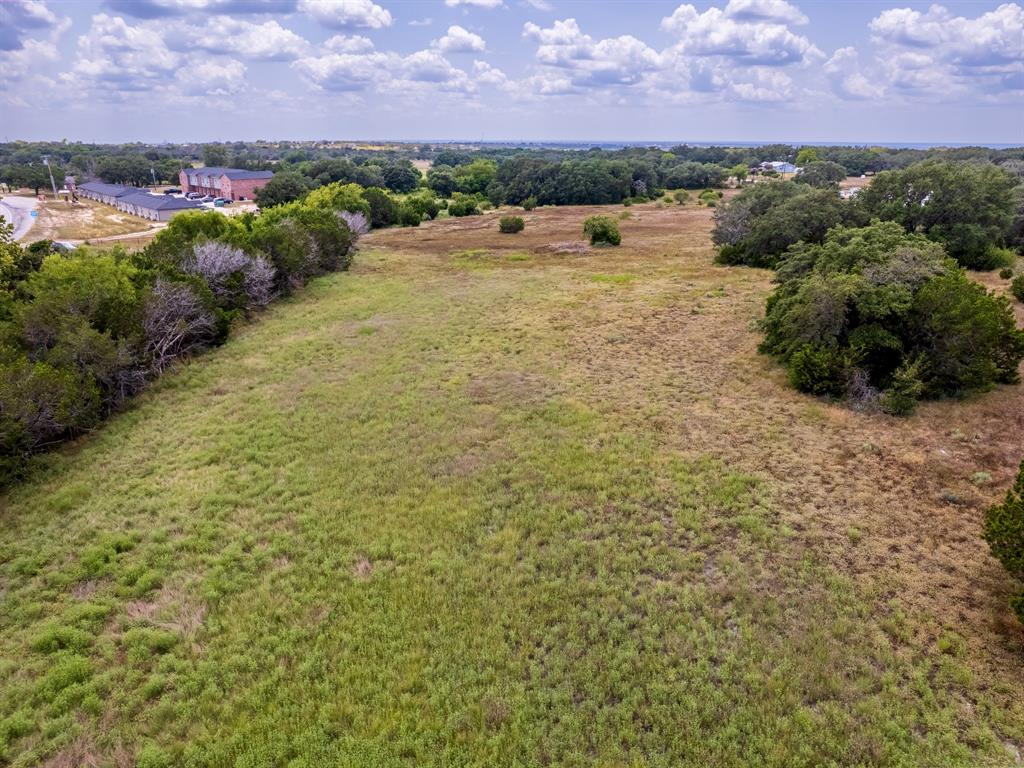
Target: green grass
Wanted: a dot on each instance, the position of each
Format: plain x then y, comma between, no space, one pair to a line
381,528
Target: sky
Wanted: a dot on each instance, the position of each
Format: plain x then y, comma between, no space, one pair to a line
862,71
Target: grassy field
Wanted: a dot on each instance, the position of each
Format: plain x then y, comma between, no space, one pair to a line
86,220
510,500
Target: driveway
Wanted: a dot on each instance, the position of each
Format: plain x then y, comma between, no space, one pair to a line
18,211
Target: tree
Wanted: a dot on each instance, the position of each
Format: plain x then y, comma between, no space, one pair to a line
758,225
215,155
283,188
475,176
886,314
807,155
739,172
441,179
401,177
821,174
969,208
1004,532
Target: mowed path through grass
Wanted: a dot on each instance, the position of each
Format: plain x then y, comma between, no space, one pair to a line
490,501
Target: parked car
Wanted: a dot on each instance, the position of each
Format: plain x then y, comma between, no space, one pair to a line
219,201
172,191
193,196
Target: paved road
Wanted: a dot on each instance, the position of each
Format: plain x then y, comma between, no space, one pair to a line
17,210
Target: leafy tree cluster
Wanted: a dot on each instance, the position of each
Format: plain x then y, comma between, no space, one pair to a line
886,318
81,332
967,207
762,221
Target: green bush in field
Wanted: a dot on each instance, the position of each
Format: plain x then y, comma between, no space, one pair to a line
681,196
602,230
463,205
409,215
1006,273
509,225
878,315
529,203
1004,532
1017,287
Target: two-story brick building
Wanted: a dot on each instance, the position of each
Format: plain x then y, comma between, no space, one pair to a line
231,183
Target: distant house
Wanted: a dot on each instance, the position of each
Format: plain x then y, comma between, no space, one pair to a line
231,183
779,167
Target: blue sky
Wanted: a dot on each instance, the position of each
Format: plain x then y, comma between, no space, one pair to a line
732,70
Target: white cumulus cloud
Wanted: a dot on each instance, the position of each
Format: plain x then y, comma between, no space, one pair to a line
460,40
347,14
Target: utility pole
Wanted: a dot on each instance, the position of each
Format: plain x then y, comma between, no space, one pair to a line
153,172
46,162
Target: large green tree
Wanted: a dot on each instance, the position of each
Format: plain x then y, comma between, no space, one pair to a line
968,207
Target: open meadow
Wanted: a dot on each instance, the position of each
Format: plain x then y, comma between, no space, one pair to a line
513,500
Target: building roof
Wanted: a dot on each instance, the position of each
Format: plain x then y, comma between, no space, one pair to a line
114,190
159,202
235,174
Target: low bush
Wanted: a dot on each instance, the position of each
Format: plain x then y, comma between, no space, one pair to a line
1006,273
681,196
511,224
529,203
1017,287
1004,532
889,315
463,205
409,215
602,230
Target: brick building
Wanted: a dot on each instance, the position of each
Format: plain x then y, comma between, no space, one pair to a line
232,183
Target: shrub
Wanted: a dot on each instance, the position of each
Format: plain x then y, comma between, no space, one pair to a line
888,312
1017,287
384,211
627,202
409,215
511,224
424,203
602,231
463,205
681,196
529,203
1005,273
340,197
1004,532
